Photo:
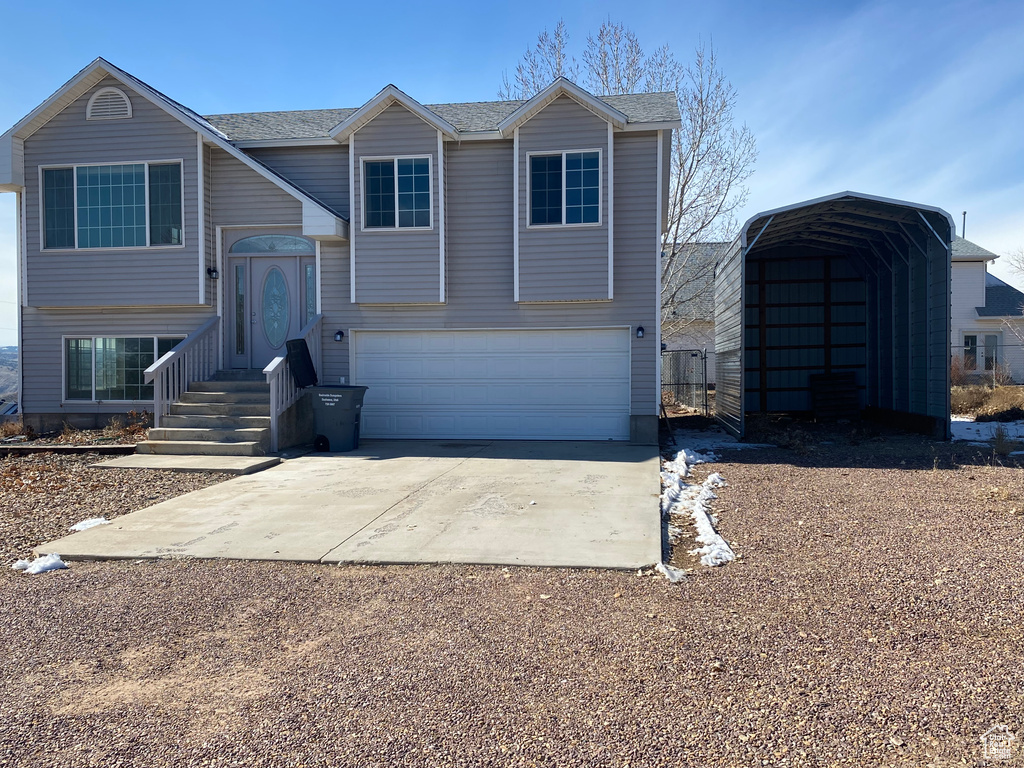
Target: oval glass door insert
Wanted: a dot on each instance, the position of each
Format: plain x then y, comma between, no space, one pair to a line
275,307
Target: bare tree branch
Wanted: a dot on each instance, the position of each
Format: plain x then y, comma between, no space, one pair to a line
1015,260
541,65
614,60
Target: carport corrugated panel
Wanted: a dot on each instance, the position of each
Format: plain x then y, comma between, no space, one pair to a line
729,340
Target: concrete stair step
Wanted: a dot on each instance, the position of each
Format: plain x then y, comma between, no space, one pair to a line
220,409
199,448
225,397
261,436
172,421
229,386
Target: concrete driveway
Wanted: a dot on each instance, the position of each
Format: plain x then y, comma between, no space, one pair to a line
505,503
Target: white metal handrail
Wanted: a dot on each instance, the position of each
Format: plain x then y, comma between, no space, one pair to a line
194,359
283,392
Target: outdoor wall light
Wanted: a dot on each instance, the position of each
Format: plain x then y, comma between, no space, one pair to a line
339,335
639,331
213,273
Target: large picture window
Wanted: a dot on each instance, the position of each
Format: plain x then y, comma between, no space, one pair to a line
565,188
112,206
397,193
112,368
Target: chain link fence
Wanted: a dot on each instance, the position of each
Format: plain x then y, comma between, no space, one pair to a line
684,379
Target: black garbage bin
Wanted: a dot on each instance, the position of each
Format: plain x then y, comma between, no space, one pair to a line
336,413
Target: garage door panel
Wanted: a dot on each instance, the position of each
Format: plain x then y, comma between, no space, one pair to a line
514,384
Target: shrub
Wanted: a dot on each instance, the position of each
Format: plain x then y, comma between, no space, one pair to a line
1002,404
965,401
14,428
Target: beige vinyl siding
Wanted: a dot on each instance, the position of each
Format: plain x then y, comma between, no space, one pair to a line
117,276
242,196
42,332
320,171
563,263
403,265
479,264
211,230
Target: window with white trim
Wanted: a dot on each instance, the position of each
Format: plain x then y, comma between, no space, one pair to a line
130,205
396,193
565,188
112,368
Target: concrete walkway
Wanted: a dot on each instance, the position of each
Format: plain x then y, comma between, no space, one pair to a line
507,503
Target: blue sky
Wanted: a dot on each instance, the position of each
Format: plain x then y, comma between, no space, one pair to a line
922,101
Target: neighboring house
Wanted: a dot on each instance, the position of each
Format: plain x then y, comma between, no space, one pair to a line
690,322
987,319
483,268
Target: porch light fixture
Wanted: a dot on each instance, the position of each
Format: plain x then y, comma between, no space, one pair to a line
339,335
639,331
213,273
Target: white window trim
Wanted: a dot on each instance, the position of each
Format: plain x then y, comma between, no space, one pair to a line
600,189
362,182
109,89
42,206
64,399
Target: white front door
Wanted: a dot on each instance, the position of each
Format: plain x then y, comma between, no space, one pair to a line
564,384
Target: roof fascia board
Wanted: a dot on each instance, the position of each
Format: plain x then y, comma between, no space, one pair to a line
386,98
216,138
59,98
12,164
260,143
486,135
82,82
562,87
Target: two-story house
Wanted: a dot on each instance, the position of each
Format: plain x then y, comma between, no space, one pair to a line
488,270
987,318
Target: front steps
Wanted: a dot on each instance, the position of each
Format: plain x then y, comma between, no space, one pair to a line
229,415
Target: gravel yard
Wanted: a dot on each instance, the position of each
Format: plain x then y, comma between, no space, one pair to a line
44,494
873,618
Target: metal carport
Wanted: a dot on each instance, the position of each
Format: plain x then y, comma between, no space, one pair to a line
845,283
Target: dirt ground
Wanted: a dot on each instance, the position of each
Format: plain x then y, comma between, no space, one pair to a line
873,618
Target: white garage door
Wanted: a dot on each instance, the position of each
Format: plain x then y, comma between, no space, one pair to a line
568,384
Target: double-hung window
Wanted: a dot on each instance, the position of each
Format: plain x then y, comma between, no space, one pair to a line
131,205
565,188
397,193
111,368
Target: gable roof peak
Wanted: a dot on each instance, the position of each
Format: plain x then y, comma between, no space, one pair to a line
562,86
386,97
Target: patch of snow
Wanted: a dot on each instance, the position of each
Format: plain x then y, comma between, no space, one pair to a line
92,522
712,439
681,499
41,564
672,574
966,428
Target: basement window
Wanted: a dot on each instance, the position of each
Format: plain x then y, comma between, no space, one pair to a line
98,368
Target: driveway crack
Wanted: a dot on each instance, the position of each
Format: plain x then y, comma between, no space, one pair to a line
404,498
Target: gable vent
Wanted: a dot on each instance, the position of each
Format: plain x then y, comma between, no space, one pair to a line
108,104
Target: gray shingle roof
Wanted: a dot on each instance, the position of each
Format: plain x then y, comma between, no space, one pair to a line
1001,299
468,117
696,297
965,249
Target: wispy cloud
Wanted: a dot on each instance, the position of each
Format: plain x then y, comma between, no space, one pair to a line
900,102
